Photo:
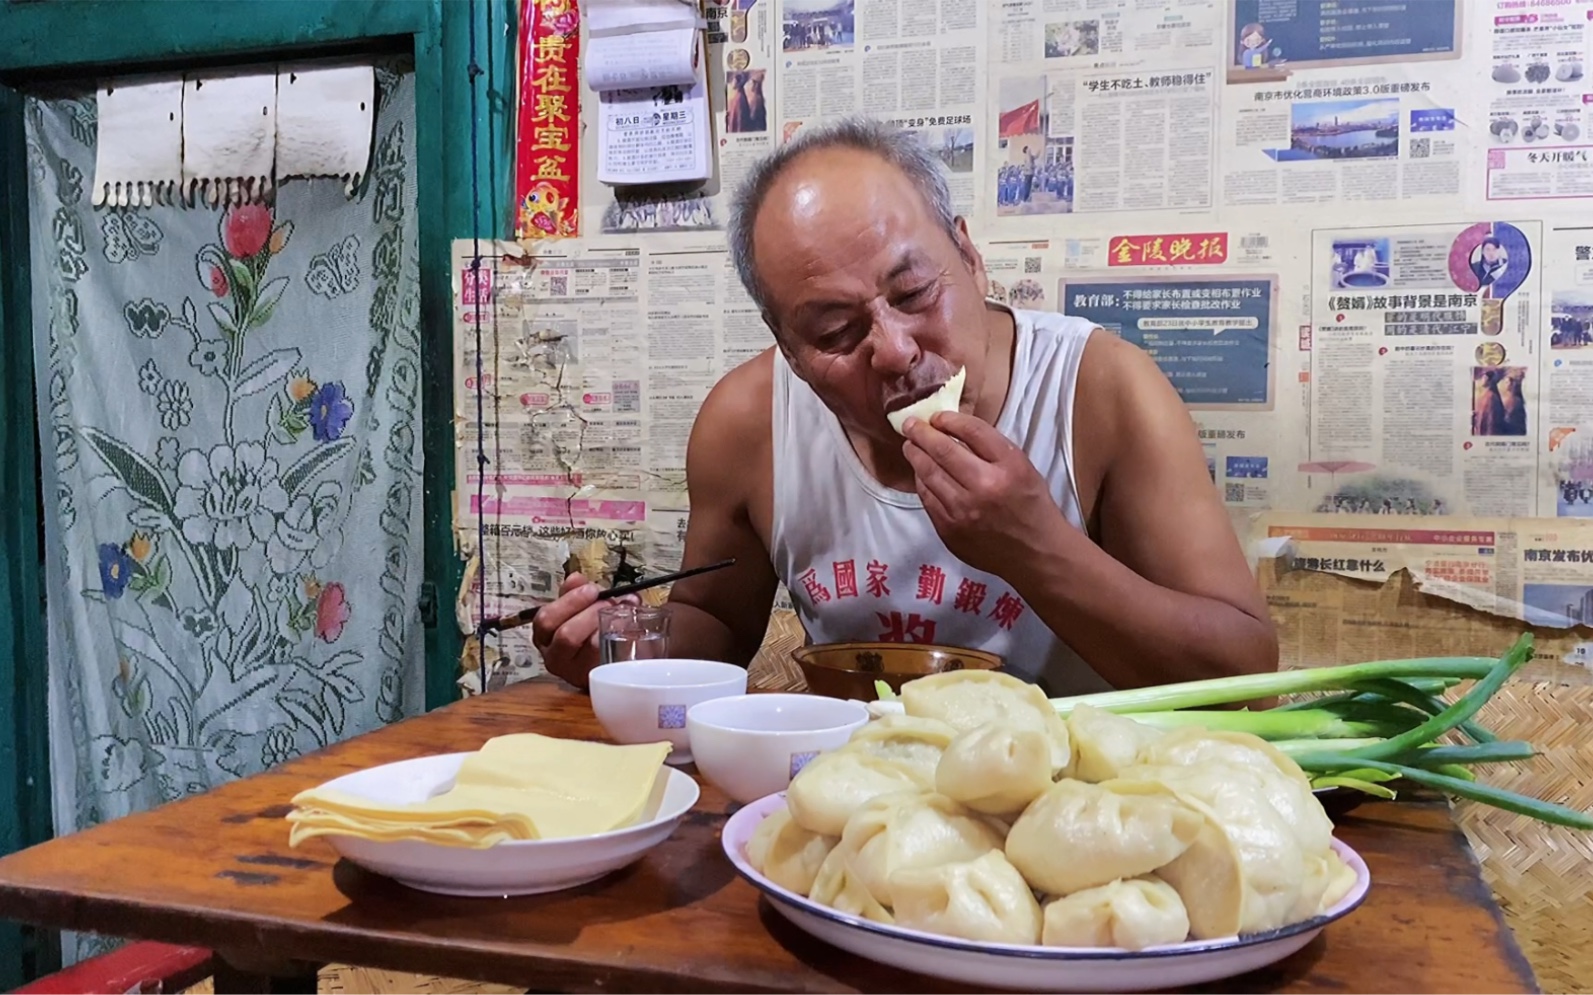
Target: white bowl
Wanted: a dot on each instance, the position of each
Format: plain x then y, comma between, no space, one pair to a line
1034,968
645,701
754,745
517,867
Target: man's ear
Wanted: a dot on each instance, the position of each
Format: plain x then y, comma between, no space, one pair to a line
971,258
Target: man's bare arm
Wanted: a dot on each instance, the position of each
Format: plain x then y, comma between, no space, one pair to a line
723,615
1167,595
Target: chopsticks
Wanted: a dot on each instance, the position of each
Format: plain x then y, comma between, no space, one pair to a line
525,616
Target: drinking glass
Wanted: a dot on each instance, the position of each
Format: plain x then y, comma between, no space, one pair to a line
633,632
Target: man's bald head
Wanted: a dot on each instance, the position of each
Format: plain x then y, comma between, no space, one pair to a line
857,136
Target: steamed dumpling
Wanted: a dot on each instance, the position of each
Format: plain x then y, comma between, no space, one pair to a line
836,886
1327,880
1105,743
1287,786
902,831
834,785
787,854
968,699
995,769
1245,871
985,900
1133,915
1079,835
904,739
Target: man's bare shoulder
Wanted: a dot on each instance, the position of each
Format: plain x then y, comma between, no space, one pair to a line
736,413
1129,406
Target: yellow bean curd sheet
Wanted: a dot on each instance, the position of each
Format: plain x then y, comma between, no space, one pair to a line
519,787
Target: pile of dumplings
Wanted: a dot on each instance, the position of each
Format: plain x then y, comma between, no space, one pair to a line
983,815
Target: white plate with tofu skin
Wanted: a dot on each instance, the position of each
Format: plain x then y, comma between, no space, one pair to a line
516,867
1033,968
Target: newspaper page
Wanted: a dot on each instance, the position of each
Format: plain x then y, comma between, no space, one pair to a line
917,64
1526,570
1332,102
1425,370
1099,107
595,357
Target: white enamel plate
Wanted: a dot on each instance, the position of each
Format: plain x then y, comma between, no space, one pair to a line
516,867
1033,968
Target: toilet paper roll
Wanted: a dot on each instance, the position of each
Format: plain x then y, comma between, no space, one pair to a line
229,135
138,158
325,117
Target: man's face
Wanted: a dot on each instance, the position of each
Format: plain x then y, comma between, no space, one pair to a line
1490,252
873,303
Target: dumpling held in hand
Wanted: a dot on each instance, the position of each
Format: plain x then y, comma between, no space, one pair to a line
1132,914
995,769
985,900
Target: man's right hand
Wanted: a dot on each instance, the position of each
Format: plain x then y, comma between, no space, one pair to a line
565,630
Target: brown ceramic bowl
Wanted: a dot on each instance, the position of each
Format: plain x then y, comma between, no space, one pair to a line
849,670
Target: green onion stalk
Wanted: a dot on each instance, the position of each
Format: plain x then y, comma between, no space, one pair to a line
1365,726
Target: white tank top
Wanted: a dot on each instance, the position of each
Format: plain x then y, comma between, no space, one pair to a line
863,562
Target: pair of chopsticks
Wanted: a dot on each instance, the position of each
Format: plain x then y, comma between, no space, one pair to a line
525,616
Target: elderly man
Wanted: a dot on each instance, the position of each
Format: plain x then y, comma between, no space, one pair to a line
1063,518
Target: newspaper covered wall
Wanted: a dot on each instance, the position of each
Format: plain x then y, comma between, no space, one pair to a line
1356,236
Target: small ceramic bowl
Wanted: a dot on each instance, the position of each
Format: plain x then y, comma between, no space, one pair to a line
849,670
645,701
753,745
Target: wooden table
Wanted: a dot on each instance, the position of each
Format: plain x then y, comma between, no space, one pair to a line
215,870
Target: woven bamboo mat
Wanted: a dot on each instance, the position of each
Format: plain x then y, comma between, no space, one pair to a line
1542,876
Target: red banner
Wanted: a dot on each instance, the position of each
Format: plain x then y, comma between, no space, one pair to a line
1207,248
547,160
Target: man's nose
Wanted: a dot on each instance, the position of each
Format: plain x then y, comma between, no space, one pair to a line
895,351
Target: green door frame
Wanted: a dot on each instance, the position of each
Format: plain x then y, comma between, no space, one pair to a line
79,39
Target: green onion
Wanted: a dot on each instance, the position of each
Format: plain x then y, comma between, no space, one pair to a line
1399,691
1272,724
1249,687
1464,708
1366,787
1543,811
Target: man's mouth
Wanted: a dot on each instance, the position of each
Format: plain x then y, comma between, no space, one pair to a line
901,401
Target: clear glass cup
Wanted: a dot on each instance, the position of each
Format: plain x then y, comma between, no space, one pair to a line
632,632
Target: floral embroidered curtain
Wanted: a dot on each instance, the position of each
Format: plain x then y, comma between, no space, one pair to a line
229,418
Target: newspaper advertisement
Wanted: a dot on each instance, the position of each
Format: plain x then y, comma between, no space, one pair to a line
1536,572
1537,143
918,65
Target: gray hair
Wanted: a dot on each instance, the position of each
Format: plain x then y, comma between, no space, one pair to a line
902,149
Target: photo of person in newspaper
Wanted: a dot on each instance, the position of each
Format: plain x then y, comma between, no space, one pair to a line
818,24
1033,172
1498,405
745,107
980,518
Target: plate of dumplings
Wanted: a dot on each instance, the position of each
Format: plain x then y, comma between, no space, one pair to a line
980,838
